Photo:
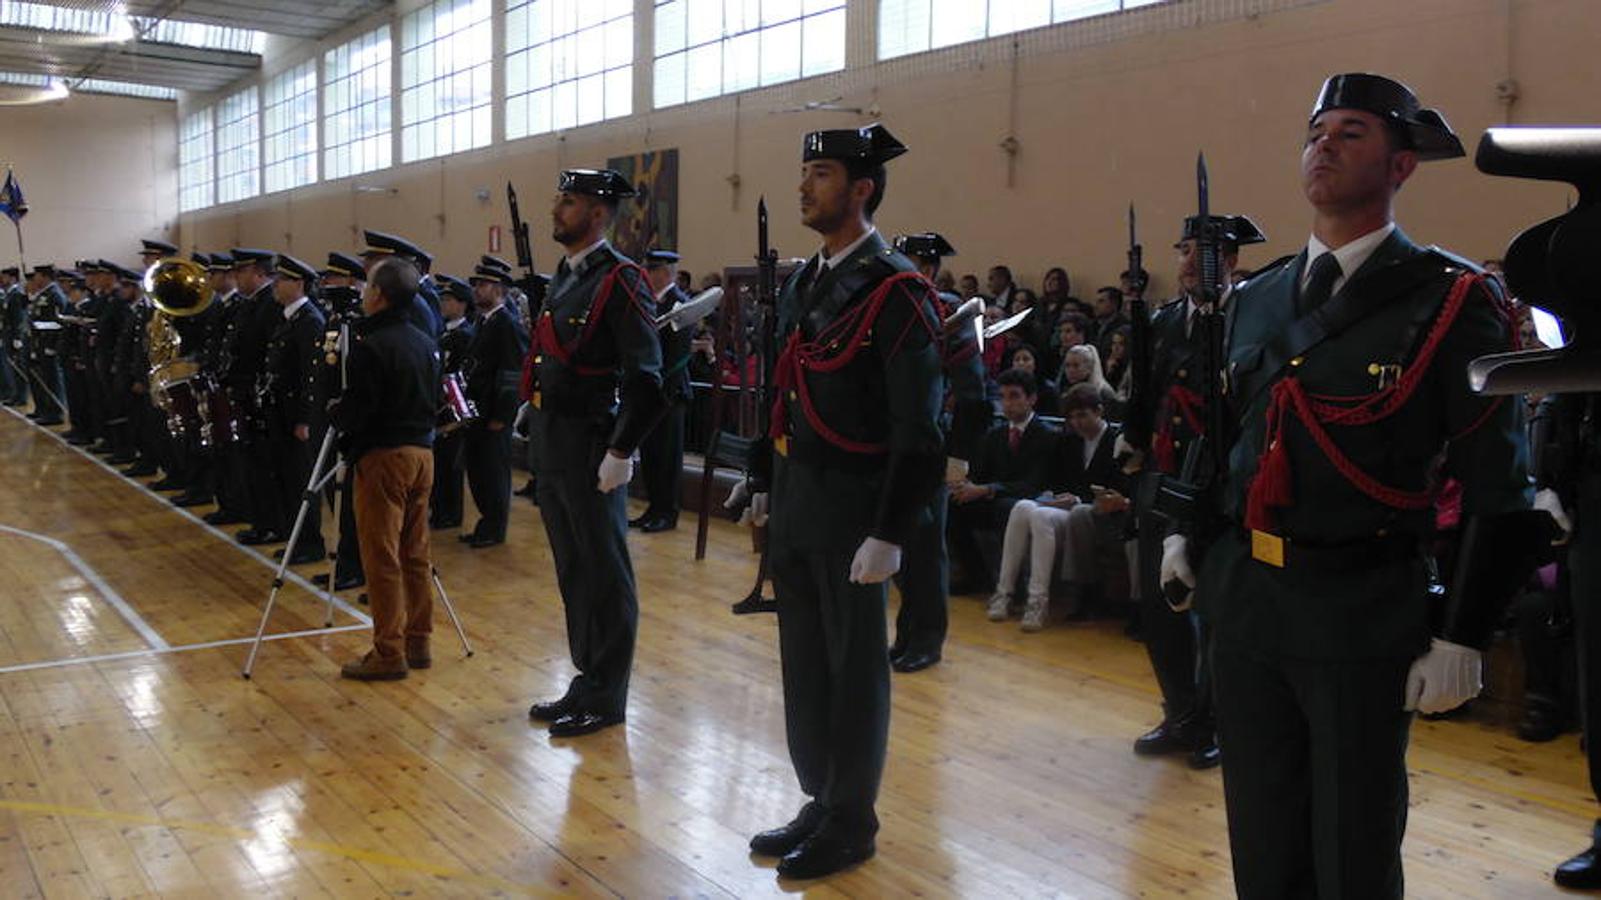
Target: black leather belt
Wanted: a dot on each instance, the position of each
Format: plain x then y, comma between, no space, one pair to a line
1347,556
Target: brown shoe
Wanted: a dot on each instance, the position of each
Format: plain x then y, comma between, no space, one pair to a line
417,656
373,667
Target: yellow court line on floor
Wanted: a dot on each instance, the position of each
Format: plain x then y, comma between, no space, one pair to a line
244,834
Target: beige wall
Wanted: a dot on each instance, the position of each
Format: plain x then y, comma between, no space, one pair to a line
1100,125
99,173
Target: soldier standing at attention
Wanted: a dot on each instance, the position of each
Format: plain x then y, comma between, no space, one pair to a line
924,580
661,456
857,454
595,384
1347,373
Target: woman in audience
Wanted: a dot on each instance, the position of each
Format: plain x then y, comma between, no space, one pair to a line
997,350
1116,362
1034,330
1082,365
1059,299
1047,400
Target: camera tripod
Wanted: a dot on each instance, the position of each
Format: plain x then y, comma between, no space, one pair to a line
318,481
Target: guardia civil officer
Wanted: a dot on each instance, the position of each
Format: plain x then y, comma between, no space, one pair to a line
595,386
1173,637
661,455
46,303
857,455
924,579
1347,375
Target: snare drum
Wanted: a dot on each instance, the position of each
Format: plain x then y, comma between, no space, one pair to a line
457,410
173,388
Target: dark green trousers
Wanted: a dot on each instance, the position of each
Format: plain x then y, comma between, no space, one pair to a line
924,581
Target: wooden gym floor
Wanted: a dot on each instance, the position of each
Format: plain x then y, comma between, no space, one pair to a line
135,761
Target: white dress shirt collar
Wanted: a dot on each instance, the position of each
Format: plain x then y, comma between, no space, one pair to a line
577,259
291,309
831,261
1351,256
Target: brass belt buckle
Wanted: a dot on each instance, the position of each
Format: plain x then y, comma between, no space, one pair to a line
1267,548
534,399
781,445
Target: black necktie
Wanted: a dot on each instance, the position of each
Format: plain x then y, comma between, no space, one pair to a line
1325,270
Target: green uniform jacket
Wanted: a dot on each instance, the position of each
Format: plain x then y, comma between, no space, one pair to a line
1482,437
828,499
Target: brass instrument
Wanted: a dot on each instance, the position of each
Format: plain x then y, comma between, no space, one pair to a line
178,288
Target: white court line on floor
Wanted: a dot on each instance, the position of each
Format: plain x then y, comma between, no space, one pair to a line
289,574
164,649
112,598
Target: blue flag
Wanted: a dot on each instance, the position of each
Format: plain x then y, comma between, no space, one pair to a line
11,201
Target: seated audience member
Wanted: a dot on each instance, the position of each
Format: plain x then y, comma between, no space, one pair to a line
686,281
997,350
1058,298
1001,288
946,281
1109,316
1034,330
1082,508
1013,463
1082,365
1115,362
970,287
1047,401
1071,330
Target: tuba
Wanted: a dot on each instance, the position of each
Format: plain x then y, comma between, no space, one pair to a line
178,288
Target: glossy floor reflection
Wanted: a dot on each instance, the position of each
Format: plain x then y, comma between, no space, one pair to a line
162,772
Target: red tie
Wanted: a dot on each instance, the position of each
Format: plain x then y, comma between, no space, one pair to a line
1014,437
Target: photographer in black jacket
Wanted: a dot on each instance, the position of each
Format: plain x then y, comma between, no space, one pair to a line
386,416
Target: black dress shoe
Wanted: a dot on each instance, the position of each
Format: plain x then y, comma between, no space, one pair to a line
659,524
341,582
49,423
1168,737
577,723
555,709
77,439
168,483
139,470
641,519
1582,872
467,537
222,517
191,498
1540,724
824,854
444,523
1206,756
479,543
102,448
255,537
303,555
782,840
914,661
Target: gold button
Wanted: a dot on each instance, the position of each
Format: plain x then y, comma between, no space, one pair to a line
1298,360
1374,368
1184,373
538,360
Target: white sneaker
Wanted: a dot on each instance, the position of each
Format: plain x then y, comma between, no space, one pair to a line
1034,614
998,606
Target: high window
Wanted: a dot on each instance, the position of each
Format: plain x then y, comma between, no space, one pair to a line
912,26
445,54
238,147
356,106
290,123
709,47
568,63
196,186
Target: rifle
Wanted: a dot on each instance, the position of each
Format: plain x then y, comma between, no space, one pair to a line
532,284
1190,498
1141,410
758,466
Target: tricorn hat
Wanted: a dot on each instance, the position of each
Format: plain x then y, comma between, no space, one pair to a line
870,145
928,245
608,183
1236,231
1424,130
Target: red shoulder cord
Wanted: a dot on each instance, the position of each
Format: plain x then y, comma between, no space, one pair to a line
1188,404
1271,489
545,339
845,337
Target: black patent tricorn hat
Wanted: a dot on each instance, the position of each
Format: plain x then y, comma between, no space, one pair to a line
608,183
870,145
928,245
1427,131
1233,230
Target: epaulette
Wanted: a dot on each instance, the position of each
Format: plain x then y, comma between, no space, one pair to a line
1263,270
1452,260
897,260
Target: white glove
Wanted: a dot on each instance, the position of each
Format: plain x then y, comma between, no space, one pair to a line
1547,500
615,471
752,507
1176,568
875,561
1444,678
955,470
1121,448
